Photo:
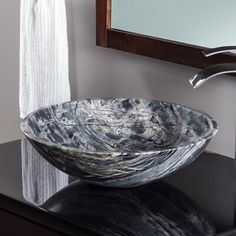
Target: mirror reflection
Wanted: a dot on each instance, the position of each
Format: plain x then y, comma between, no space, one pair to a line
206,23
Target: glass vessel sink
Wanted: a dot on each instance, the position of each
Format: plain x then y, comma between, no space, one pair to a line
119,142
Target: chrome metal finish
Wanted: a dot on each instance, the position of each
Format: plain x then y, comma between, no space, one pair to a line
212,71
225,49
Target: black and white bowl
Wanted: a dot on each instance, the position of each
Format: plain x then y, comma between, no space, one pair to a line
119,142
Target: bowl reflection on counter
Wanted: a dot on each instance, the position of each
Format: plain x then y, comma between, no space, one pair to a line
151,210
119,142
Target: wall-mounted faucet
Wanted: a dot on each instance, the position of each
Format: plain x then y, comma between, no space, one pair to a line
214,70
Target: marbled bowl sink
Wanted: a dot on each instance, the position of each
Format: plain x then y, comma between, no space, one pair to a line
119,142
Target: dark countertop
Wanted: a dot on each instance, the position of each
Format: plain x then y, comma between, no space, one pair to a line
27,182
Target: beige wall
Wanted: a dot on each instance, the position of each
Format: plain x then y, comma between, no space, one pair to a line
9,66
99,72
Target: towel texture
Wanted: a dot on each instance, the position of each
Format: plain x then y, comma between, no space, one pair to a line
44,80
44,73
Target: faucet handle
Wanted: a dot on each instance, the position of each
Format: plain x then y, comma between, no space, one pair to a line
218,50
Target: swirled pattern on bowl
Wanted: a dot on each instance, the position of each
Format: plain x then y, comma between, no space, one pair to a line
119,142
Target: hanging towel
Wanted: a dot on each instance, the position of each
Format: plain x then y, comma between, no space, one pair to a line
44,73
44,80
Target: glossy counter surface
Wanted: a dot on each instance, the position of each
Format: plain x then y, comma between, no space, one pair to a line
30,188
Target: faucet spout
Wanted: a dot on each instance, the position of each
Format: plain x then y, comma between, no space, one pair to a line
211,72
218,50
214,70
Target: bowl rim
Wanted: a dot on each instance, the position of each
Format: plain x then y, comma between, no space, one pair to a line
63,148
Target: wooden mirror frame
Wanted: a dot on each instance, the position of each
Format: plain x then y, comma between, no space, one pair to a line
163,49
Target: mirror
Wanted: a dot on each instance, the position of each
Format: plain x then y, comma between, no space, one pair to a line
206,23
175,31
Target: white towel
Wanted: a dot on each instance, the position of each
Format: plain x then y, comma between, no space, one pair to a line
44,80
44,73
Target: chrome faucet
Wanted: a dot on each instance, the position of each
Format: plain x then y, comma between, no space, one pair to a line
214,70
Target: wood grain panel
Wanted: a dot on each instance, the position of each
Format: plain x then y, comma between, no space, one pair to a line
172,51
